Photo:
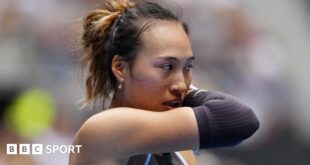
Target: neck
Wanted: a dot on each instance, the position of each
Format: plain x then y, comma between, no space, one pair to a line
117,100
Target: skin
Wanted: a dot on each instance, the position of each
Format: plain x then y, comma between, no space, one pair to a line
161,73
167,55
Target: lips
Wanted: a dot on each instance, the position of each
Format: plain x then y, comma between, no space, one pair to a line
172,104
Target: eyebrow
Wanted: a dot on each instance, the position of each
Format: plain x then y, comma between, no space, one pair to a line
174,58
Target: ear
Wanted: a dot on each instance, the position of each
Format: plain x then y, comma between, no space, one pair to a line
118,68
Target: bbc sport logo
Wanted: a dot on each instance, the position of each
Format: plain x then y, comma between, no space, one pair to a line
39,149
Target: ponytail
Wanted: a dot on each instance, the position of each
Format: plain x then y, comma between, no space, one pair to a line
97,26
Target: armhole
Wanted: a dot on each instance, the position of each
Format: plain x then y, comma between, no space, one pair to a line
196,151
178,154
148,158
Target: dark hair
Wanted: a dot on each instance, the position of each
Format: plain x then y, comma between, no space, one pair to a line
115,30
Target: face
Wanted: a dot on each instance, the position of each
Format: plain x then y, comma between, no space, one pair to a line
161,73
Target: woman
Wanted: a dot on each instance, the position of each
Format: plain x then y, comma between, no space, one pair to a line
142,54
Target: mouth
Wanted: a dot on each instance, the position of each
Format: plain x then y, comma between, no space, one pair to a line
172,104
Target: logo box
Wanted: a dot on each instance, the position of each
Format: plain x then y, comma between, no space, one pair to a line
24,149
11,149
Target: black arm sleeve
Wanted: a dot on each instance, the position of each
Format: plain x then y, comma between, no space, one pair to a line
222,119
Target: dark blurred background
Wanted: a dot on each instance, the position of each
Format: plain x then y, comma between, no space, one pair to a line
256,50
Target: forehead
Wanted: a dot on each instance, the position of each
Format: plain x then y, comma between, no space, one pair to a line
165,37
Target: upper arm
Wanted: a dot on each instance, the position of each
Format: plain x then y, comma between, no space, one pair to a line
123,132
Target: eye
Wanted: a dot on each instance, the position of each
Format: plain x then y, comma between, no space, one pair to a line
167,67
188,67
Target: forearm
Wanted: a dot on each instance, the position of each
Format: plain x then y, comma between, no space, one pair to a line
223,120
123,132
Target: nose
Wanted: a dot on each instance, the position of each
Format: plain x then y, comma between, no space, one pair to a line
179,84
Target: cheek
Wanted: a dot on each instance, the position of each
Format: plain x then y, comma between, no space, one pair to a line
149,81
189,79
146,76
146,88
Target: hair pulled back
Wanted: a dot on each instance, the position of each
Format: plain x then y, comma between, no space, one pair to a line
114,30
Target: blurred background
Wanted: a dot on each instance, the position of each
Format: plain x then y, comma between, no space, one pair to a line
256,50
